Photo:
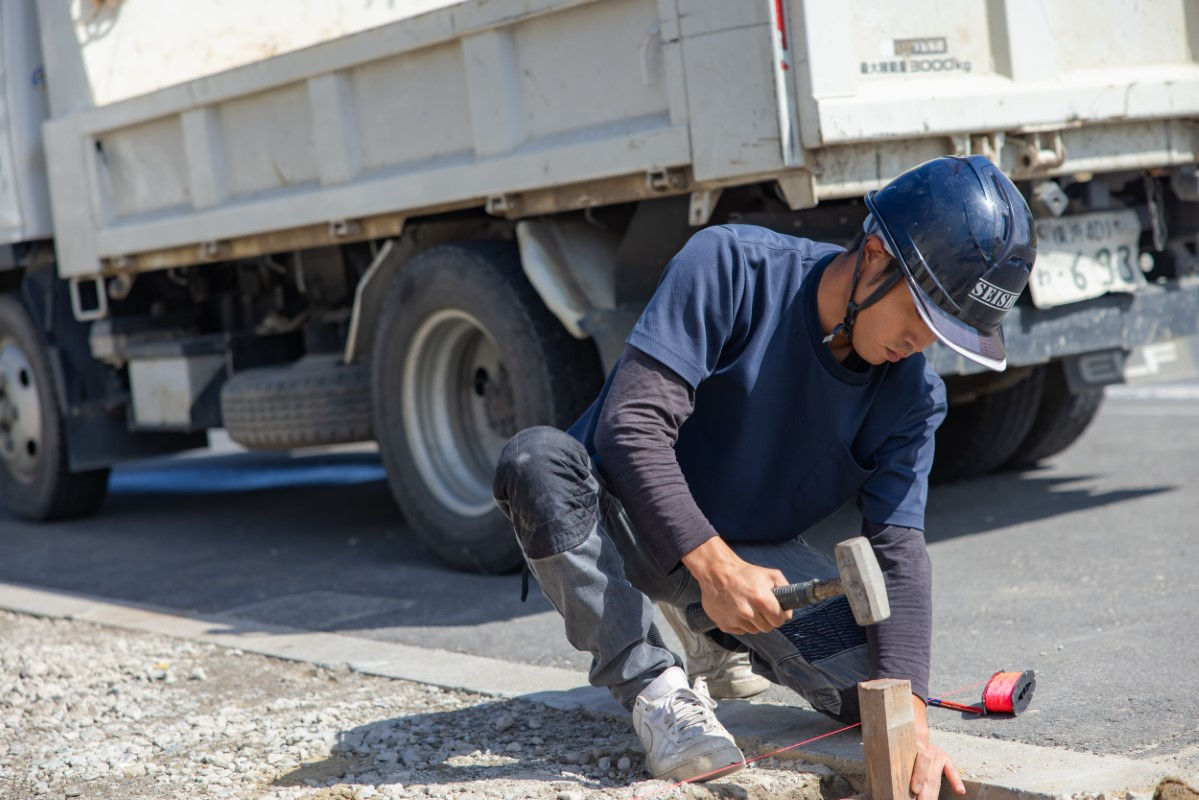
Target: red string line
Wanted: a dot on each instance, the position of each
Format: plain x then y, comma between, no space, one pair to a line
745,762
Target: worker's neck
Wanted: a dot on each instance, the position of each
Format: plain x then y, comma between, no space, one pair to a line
832,298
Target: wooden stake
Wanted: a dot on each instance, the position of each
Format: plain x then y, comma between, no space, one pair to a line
889,735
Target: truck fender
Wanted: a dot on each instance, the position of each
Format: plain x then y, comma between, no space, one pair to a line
572,266
371,292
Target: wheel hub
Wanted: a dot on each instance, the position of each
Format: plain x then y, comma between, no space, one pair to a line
498,403
20,413
458,409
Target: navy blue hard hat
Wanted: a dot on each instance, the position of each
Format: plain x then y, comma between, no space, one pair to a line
964,237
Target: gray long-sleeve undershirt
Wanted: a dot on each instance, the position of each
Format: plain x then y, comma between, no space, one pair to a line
639,424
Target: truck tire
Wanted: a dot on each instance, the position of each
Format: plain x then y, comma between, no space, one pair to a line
318,400
980,436
36,482
466,355
1061,419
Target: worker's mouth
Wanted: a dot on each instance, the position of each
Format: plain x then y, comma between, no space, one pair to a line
892,356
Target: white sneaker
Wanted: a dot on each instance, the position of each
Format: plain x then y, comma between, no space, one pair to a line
727,673
683,740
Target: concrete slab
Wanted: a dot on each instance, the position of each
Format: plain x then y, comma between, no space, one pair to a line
993,769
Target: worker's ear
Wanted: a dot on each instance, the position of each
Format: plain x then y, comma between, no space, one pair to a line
875,260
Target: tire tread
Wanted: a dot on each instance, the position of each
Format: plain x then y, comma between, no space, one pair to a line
1061,419
980,436
302,405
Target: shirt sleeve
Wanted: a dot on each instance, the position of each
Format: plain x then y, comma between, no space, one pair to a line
693,312
635,437
896,493
901,645
892,503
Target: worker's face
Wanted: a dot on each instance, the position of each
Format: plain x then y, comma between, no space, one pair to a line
892,328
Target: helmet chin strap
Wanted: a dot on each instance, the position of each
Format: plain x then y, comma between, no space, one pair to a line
853,309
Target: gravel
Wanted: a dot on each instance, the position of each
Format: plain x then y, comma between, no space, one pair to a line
94,712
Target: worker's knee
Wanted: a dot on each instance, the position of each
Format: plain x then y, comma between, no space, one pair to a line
543,483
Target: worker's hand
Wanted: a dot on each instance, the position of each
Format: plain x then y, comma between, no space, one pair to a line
931,761
735,593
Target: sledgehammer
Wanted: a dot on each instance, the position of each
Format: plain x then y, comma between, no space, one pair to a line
861,582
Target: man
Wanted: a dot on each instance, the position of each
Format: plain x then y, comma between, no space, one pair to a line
769,381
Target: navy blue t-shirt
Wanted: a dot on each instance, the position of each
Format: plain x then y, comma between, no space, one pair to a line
782,434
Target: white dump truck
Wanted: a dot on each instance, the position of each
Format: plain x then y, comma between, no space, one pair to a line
431,225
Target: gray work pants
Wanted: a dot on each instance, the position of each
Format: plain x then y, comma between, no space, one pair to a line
585,553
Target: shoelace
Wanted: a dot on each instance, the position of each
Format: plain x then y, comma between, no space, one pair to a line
689,712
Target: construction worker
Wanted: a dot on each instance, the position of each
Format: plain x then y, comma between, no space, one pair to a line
769,381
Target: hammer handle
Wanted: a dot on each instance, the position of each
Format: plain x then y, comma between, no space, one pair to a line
796,595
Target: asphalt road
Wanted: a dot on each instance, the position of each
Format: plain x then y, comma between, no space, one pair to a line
1083,570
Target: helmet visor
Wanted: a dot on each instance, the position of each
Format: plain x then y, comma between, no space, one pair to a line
983,348
965,340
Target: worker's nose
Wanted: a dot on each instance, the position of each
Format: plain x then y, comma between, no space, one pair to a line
918,340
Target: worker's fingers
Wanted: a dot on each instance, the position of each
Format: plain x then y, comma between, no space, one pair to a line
951,774
920,771
931,789
775,614
931,764
767,614
772,624
743,620
760,623
749,623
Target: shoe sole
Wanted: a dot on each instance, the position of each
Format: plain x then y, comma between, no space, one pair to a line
702,770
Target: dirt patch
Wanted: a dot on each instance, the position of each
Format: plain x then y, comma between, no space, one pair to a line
92,712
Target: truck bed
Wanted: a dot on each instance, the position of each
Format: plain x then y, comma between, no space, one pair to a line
525,107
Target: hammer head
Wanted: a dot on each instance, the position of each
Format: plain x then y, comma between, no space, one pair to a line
862,581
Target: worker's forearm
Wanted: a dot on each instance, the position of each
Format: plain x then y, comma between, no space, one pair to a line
901,646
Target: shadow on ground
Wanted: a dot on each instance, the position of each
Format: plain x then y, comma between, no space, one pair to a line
994,501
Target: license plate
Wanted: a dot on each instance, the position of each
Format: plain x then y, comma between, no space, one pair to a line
1085,256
